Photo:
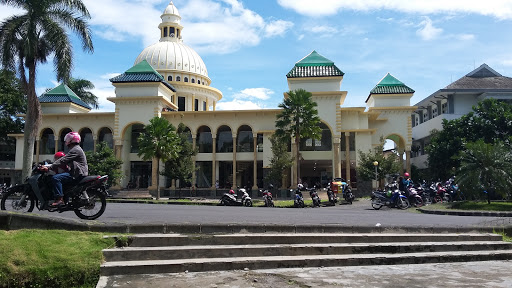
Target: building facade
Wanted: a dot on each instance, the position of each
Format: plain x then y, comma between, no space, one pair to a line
452,102
170,80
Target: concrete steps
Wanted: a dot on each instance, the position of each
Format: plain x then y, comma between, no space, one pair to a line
173,253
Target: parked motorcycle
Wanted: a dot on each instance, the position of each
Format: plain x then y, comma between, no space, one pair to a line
314,196
298,200
390,197
86,198
347,192
267,196
241,198
331,195
414,197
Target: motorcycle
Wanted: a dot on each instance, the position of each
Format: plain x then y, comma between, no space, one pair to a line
331,196
267,198
86,198
347,192
241,198
314,196
414,197
391,197
298,201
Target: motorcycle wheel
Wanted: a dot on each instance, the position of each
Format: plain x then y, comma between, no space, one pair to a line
349,199
271,203
402,203
95,205
376,205
427,200
248,203
418,202
224,201
301,204
16,200
438,199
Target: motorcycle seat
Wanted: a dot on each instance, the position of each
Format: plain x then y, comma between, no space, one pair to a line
87,179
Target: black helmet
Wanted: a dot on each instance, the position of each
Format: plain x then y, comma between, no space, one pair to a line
270,186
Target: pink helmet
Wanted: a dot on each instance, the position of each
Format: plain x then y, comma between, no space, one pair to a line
58,155
72,137
406,174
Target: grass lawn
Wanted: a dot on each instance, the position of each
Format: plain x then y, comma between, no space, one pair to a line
51,258
481,206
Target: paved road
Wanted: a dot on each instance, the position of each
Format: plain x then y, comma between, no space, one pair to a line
360,213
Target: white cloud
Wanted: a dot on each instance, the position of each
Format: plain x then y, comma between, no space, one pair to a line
324,30
428,31
465,37
103,89
258,93
498,9
246,99
237,104
213,27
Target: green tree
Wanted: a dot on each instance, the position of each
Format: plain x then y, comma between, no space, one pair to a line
388,164
485,167
104,162
491,120
158,141
298,119
280,163
182,167
32,38
12,102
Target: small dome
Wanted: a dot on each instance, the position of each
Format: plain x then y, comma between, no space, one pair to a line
170,54
173,56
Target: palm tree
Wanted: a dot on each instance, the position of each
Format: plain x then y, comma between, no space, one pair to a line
159,141
80,87
31,38
486,167
299,119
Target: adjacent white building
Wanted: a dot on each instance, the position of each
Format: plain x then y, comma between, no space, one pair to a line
452,102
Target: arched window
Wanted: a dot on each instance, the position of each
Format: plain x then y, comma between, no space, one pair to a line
224,139
106,136
204,139
47,142
198,82
136,130
87,142
178,78
62,145
244,139
169,78
193,80
323,144
186,79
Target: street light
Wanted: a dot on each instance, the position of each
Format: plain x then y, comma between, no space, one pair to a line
375,164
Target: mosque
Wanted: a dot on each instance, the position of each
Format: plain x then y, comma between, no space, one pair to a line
170,80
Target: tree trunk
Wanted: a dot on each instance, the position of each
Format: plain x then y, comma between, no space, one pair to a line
157,178
297,155
32,121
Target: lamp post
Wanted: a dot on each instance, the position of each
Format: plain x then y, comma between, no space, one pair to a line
375,164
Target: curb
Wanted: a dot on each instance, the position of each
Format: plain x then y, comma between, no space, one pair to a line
15,221
170,202
467,213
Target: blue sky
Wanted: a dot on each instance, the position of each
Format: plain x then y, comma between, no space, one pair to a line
249,46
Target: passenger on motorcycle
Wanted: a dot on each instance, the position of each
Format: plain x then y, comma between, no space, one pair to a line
77,163
404,183
61,168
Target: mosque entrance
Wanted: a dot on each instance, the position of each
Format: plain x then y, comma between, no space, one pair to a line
140,175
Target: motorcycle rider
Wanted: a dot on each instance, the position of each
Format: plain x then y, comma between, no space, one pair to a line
404,183
78,167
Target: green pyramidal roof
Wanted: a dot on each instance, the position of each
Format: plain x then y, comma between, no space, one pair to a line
62,94
391,85
141,72
142,67
314,59
314,65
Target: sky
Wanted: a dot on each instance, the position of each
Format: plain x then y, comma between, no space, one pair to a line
249,46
